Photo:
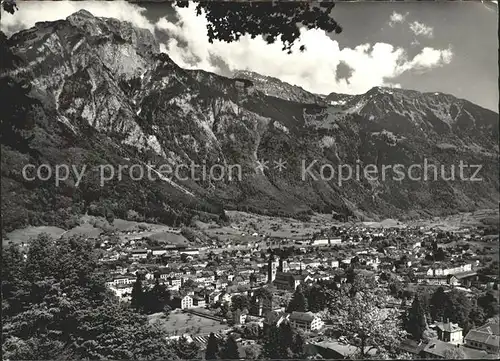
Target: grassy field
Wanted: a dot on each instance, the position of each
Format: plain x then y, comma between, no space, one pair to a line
91,226
170,238
484,217
279,227
85,230
386,223
179,323
25,234
123,225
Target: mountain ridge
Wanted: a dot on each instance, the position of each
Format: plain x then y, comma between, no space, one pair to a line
108,94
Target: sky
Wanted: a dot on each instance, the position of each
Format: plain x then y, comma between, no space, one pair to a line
449,47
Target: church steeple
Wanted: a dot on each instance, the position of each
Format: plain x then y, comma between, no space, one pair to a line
272,268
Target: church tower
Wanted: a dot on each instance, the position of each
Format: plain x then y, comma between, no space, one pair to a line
272,268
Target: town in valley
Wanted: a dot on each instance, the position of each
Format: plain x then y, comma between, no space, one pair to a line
256,273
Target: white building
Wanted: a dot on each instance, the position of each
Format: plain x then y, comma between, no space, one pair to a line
183,302
337,240
122,291
121,280
191,252
320,242
306,321
159,252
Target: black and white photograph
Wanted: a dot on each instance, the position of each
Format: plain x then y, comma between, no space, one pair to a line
249,180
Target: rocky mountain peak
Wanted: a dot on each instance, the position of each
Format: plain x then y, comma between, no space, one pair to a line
82,13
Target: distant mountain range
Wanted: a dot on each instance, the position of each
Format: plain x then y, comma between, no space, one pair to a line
103,93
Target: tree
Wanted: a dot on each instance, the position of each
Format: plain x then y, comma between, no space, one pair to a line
429,334
12,279
239,302
125,333
365,321
40,259
9,6
425,301
476,317
230,350
110,216
156,299
271,342
166,310
251,352
212,351
316,298
361,281
137,300
439,255
251,330
458,308
489,304
438,303
286,339
229,21
415,322
298,302
66,312
298,346
224,309
189,284
282,342
186,350
455,353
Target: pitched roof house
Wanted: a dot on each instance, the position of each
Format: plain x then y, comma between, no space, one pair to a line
485,338
449,332
438,349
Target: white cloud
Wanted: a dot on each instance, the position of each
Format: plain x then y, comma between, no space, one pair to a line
31,12
429,57
315,69
397,18
421,29
416,27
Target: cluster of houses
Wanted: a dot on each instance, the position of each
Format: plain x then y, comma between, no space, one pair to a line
200,278
479,343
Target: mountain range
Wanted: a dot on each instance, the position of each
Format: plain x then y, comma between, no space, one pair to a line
94,91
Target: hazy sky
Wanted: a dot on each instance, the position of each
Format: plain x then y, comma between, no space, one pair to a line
450,47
